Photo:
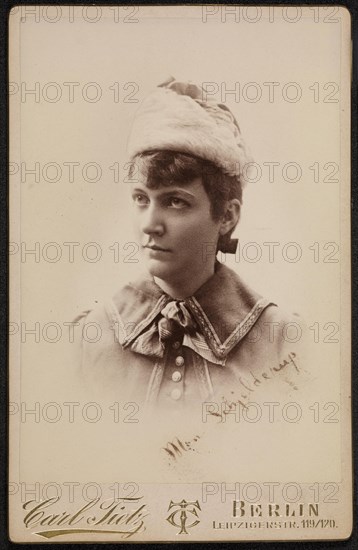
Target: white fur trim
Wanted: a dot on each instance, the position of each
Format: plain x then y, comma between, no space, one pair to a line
168,120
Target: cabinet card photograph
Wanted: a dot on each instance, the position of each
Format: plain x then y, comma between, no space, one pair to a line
179,273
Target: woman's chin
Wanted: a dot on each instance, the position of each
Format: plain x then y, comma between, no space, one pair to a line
160,269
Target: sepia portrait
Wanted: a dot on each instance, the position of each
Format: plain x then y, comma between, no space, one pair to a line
180,273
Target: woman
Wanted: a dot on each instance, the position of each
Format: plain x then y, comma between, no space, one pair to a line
192,331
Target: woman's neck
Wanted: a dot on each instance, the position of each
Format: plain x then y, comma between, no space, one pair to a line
185,287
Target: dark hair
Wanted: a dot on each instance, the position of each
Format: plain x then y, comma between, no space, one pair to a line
163,168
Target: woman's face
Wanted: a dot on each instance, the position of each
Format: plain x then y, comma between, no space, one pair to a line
175,229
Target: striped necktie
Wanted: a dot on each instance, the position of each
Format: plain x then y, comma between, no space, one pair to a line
175,321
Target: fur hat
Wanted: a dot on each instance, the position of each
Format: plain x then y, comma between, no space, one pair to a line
178,116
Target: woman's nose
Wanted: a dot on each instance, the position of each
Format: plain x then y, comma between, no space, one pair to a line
152,222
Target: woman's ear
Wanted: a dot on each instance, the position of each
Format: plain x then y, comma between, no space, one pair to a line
231,216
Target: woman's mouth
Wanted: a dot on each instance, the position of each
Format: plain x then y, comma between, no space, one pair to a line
155,247
157,252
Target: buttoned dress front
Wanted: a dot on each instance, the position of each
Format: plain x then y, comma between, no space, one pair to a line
241,345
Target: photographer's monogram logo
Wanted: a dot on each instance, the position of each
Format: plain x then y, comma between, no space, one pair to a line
182,516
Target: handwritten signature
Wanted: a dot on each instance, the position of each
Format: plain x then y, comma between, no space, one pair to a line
250,384
177,447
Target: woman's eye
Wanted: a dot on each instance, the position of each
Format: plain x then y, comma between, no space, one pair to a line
139,199
175,202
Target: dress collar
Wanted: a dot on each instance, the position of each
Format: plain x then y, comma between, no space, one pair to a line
224,307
